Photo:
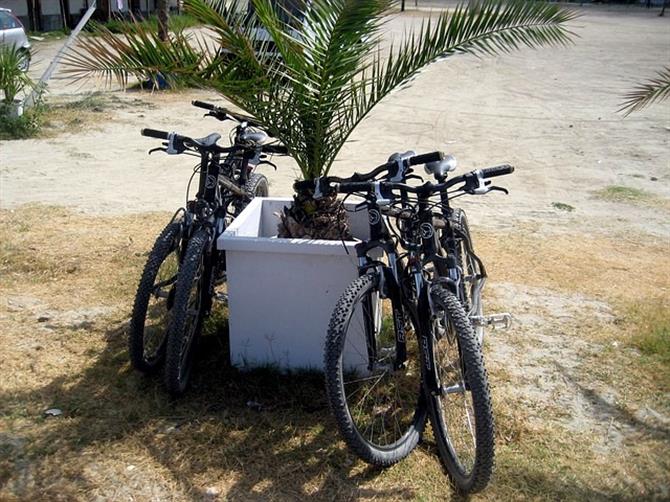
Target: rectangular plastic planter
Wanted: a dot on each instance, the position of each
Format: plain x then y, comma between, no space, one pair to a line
281,292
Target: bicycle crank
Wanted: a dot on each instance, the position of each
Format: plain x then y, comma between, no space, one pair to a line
494,321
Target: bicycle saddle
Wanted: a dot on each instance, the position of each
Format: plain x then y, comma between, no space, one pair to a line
441,167
255,138
208,140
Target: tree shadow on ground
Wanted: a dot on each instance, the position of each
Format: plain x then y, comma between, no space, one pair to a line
257,435
607,409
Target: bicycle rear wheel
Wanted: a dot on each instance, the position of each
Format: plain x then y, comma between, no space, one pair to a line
153,302
187,315
461,413
379,410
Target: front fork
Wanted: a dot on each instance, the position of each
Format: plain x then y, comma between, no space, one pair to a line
387,287
425,319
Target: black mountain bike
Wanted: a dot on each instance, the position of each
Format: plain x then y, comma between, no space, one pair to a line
185,267
404,320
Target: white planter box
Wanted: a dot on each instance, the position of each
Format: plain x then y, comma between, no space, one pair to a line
282,291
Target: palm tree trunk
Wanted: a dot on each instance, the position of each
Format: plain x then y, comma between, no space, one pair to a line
163,19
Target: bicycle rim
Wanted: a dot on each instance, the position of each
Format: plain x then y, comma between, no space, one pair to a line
381,400
160,303
192,323
456,408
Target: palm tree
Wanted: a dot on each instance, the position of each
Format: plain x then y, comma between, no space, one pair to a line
329,69
645,93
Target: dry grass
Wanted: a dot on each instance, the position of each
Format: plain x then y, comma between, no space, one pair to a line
619,268
73,116
120,437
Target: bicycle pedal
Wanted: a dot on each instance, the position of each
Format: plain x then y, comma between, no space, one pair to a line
221,297
495,321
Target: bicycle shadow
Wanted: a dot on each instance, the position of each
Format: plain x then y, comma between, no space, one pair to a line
257,435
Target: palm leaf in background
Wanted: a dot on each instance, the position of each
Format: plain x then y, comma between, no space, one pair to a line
329,71
138,52
648,92
13,79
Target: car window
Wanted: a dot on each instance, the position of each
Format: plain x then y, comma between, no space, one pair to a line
7,22
292,11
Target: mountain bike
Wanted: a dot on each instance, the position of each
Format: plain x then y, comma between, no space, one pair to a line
185,268
375,392
371,351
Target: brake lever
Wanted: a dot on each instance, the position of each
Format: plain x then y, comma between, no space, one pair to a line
414,177
217,115
268,163
158,149
499,189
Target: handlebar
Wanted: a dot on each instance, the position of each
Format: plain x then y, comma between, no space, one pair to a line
153,133
223,114
425,158
202,104
178,143
391,168
473,183
501,170
275,149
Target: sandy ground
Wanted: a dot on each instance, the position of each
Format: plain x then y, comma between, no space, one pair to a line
563,274
551,113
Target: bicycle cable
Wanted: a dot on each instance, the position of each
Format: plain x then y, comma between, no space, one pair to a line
196,169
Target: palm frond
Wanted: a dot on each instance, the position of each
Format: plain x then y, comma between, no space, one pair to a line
137,52
328,70
648,92
13,79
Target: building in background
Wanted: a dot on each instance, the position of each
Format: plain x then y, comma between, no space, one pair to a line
49,15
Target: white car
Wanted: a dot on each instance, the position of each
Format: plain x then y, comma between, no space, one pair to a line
12,33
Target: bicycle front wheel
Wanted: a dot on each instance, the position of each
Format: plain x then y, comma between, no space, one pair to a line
379,409
153,302
461,412
471,278
187,315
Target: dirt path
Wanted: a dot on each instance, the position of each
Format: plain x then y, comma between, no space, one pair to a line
552,113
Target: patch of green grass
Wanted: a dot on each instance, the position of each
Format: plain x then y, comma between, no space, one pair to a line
37,119
619,193
26,126
561,206
95,102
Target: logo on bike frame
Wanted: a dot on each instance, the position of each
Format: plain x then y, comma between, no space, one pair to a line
427,231
374,217
400,325
210,182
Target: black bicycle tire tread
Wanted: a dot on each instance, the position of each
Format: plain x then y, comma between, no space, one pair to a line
255,180
482,403
160,250
334,390
187,272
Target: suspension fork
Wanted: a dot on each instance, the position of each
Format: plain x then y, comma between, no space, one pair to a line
425,320
388,286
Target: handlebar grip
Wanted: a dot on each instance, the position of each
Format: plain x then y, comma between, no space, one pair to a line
202,104
355,186
153,133
279,149
501,170
300,186
425,158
